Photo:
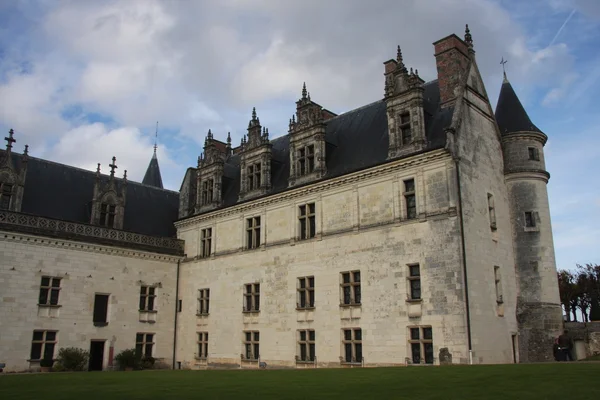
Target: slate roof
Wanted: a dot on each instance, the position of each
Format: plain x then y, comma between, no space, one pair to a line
63,192
510,113
355,140
152,176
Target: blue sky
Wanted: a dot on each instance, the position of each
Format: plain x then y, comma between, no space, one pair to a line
81,81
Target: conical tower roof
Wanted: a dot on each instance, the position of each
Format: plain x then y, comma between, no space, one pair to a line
152,177
510,113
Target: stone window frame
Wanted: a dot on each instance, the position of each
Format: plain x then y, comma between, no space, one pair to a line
417,337
100,323
350,289
305,289
306,349
410,212
531,221
251,345
305,159
4,194
147,298
202,345
253,232
251,298
498,285
203,302
144,343
108,214
405,125
349,337
48,290
253,177
492,211
206,242
47,344
307,221
533,153
413,279
207,191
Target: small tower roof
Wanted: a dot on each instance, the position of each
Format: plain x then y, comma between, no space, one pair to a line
510,113
152,176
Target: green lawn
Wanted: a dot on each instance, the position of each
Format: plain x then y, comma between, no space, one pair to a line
538,381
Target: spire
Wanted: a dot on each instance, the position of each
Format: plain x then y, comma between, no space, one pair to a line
510,113
253,113
400,60
152,176
468,37
304,90
155,140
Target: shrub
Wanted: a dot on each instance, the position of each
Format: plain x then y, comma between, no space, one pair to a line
73,359
127,359
148,362
46,363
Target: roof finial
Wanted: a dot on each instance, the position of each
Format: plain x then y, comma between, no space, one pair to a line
503,61
26,151
253,113
304,90
156,138
10,140
209,135
399,55
125,175
98,169
113,166
229,138
468,37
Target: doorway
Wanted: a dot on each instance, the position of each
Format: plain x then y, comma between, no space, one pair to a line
96,355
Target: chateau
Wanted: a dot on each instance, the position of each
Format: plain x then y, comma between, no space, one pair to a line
412,230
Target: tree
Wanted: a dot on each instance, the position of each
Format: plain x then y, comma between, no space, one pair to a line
591,280
566,288
580,290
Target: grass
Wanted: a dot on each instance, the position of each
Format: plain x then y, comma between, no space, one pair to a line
592,358
535,381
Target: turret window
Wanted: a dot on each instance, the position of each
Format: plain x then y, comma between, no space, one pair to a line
534,153
254,176
530,219
5,196
207,191
107,215
405,129
306,160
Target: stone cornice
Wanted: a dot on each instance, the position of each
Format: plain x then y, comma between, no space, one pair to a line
524,173
318,187
80,246
42,226
540,137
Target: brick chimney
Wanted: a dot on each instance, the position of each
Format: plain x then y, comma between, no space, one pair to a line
452,59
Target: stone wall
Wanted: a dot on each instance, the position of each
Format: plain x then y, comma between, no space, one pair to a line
85,269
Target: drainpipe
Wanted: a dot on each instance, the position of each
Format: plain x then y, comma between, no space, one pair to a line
464,260
176,312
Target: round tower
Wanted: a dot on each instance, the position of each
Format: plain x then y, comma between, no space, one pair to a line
539,312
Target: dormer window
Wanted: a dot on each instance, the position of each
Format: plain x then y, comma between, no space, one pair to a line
5,196
306,160
207,191
107,215
405,129
254,176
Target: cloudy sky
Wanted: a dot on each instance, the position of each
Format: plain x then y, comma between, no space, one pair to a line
81,81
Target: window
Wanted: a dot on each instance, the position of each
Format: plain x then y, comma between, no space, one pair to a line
421,344
253,232
254,176
144,343
306,160
492,211
147,296
410,199
350,287
252,297
107,215
307,221
101,309
306,292
405,129
5,196
202,345
203,301
42,345
414,282
207,191
306,345
534,153
251,345
498,284
530,219
49,291
352,345
205,242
